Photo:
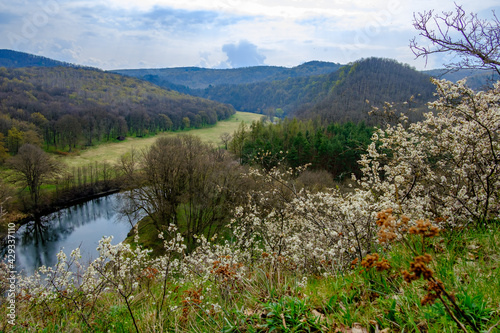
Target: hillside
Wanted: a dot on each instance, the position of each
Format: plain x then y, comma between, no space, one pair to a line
186,78
66,107
15,59
328,90
370,82
337,96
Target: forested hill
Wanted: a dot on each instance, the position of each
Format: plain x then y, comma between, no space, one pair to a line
338,96
15,59
66,106
186,78
371,82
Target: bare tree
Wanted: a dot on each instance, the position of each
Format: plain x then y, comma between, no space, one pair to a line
156,189
225,138
183,181
474,41
33,168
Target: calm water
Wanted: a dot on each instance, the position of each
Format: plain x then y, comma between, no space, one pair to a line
82,225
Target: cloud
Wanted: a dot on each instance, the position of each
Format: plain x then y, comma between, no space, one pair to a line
183,21
243,54
170,33
171,19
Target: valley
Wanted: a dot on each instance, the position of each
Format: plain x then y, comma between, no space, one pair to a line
318,198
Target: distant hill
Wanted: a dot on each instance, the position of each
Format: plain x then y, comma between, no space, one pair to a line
339,96
354,89
15,59
314,89
67,106
186,78
476,78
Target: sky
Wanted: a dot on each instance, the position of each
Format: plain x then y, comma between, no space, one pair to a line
118,34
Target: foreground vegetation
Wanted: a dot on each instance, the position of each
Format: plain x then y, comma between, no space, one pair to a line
272,296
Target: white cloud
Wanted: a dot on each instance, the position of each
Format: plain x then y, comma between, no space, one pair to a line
167,33
242,54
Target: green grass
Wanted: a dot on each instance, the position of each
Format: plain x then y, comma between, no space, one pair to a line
148,236
111,152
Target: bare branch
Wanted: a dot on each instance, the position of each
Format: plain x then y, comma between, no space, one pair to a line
474,41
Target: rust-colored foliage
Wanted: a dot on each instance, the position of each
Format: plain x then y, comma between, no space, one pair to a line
372,260
424,228
418,268
192,299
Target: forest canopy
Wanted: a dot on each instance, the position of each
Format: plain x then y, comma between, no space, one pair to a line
338,96
63,107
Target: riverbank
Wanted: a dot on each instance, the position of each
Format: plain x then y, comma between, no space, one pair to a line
20,218
109,153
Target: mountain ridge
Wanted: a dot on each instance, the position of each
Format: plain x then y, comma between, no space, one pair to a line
329,90
201,78
17,59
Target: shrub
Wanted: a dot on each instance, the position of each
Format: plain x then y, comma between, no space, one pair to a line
447,166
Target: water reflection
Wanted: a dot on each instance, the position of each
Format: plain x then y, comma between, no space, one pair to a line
83,225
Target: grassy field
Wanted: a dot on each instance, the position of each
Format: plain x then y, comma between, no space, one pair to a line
110,152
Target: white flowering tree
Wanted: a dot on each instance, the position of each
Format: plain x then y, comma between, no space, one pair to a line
313,232
447,166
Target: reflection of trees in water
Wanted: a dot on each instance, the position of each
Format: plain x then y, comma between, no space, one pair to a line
39,241
36,233
126,210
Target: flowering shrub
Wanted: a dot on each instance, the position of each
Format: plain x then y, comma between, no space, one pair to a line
448,165
318,232
119,268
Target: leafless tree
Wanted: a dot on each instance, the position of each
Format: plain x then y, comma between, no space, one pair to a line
225,138
33,168
475,42
183,181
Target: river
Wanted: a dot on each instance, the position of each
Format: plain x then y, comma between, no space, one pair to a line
82,225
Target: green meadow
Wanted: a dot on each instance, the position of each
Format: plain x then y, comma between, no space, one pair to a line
111,152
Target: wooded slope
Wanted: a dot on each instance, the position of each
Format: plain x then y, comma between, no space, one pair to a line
66,106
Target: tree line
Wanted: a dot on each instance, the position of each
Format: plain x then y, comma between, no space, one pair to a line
334,147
